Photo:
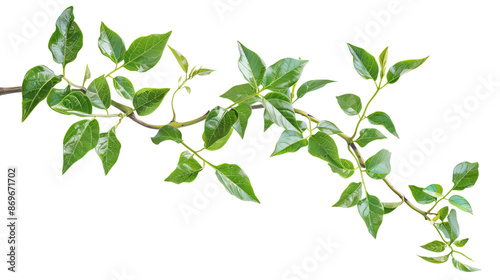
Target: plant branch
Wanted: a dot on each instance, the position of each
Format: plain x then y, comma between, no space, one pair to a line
129,112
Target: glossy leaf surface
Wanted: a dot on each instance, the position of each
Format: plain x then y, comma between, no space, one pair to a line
111,44
381,118
350,196
435,246
379,165
37,83
280,111
218,124
147,100
440,259
465,175
289,142
311,86
124,87
108,149
401,68
251,66
99,93
167,133
328,127
368,135
186,171
372,212
183,63
420,196
80,138
343,167
244,111
73,103
463,267
67,40
350,104
364,63
461,203
236,181
145,52
240,92
323,146
283,74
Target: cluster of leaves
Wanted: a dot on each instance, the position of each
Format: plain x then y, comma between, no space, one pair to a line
65,43
273,88
445,220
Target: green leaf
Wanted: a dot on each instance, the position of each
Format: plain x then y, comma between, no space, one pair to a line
443,213
368,135
435,246
350,104
465,175
236,181
350,196
87,74
201,72
290,141
420,196
364,63
323,146
188,89
280,111
445,228
251,66
311,86
390,206
37,84
99,93
111,44
283,74
343,167
80,138
73,103
145,52
463,267
108,149
183,63
147,100
218,124
383,62
67,40
328,128
455,228
187,169
240,92
402,67
461,242
379,165
440,259
219,143
124,87
302,125
381,118
461,203
434,190
167,132
244,111
267,121
372,212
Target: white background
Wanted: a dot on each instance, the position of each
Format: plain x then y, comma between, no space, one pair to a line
132,225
